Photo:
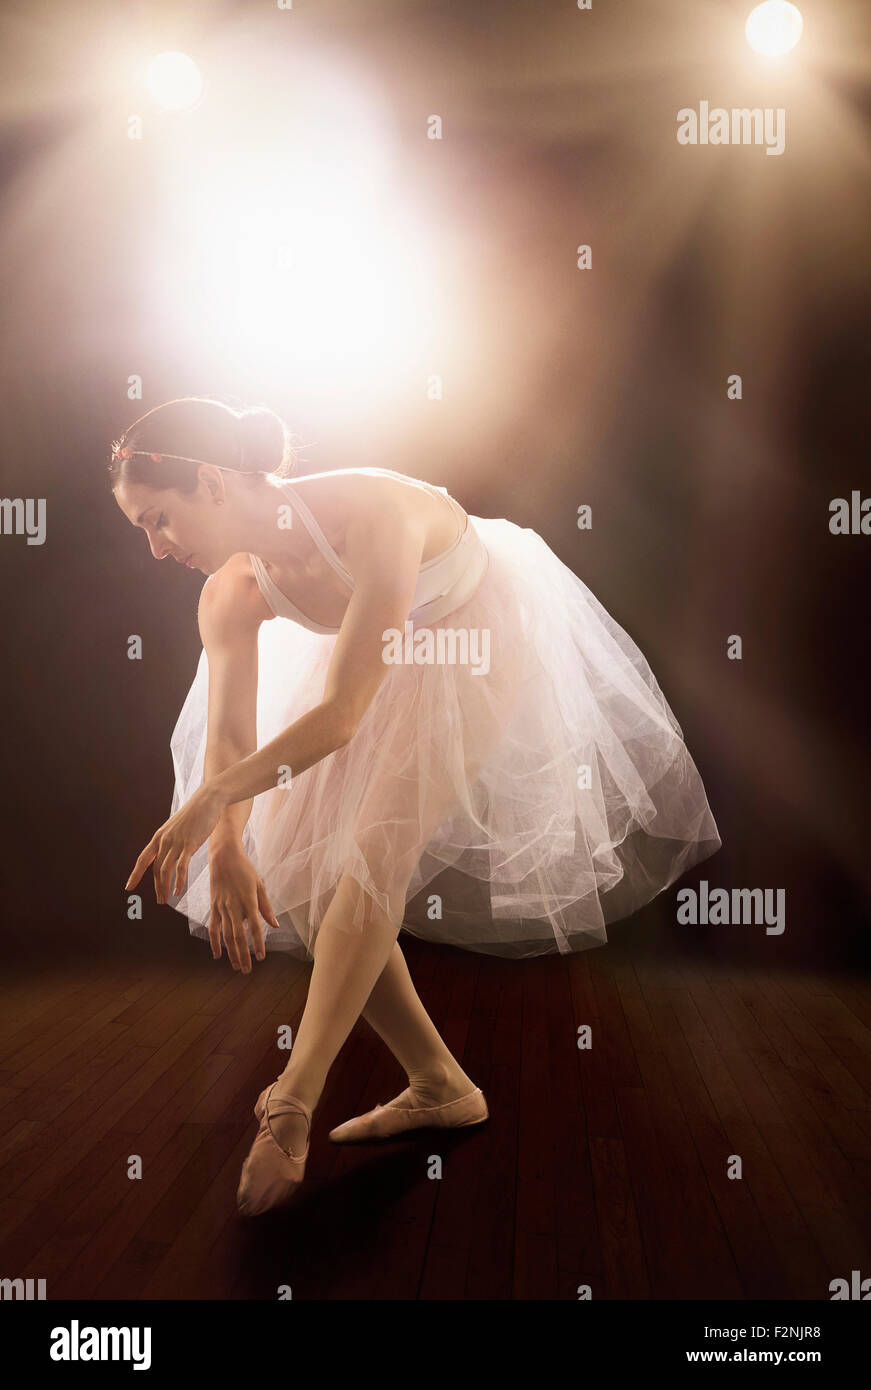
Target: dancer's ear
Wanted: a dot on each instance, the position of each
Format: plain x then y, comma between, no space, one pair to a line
212,480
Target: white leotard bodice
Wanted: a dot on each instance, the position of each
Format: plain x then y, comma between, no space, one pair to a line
444,583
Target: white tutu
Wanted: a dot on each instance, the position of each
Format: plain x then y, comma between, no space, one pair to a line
522,807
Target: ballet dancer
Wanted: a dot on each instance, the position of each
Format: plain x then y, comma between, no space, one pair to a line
551,776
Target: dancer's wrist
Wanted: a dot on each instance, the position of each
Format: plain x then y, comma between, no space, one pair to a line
225,833
226,836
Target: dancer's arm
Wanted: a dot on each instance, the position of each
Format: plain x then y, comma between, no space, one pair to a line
230,614
229,620
383,554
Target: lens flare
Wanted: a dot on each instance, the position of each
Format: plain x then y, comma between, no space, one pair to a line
174,81
774,28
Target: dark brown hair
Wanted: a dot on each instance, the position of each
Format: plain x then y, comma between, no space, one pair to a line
201,430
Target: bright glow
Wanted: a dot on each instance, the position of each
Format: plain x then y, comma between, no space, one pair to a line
298,257
174,81
774,28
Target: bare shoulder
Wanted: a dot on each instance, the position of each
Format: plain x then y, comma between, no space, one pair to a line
231,604
354,494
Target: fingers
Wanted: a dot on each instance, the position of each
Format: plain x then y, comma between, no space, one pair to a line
230,938
171,871
181,873
266,906
229,915
163,862
255,929
142,864
242,959
227,921
215,928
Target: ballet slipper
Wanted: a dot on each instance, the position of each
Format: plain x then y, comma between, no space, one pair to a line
261,1100
399,1115
270,1173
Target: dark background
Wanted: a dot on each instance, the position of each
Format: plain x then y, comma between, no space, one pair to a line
608,387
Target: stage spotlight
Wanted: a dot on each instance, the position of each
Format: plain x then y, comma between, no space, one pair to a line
174,81
774,28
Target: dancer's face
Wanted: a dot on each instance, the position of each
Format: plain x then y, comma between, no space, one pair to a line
188,526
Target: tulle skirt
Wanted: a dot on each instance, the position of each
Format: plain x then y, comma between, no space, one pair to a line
513,786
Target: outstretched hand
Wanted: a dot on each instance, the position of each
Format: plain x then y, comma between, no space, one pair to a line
172,847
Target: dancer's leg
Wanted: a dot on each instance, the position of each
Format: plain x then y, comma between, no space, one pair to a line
346,968
395,1011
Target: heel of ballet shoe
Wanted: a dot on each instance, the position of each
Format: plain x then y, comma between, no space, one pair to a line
260,1103
476,1119
480,1114
272,1174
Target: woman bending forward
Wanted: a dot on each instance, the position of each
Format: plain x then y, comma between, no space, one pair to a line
392,695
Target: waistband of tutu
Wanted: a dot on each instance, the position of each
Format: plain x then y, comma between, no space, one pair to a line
460,591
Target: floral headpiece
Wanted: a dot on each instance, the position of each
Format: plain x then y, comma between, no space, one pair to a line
122,452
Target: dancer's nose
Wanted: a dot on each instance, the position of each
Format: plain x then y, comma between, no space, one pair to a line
158,548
